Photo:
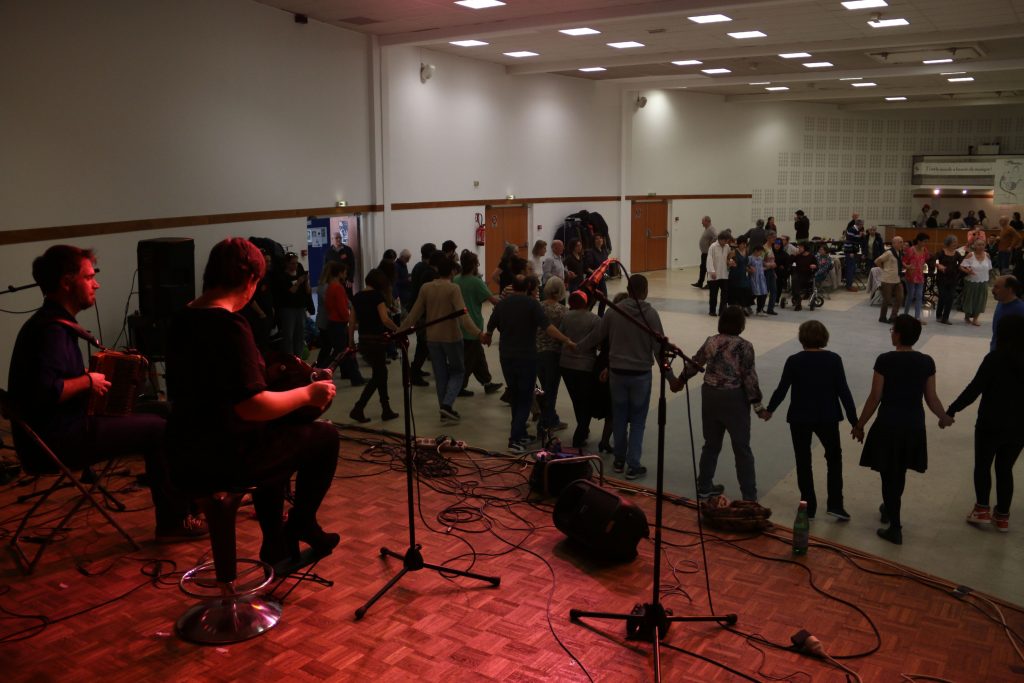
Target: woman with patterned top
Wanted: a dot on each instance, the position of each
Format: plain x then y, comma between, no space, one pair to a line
914,258
976,267
730,389
549,353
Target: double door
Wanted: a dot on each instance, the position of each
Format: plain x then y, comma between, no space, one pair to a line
648,236
505,225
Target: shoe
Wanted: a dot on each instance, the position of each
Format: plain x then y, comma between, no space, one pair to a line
188,529
449,413
714,490
981,514
619,466
359,381
516,447
883,516
945,321
492,387
465,393
636,472
321,542
387,413
893,534
1001,521
840,514
798,307
697,285
604,447
883,321
852,289
772,313
420,373
358,415
782,303
419,382
558,427
713,314
748,311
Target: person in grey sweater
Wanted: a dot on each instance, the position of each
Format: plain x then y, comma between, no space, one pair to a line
631,353
707,238
578,366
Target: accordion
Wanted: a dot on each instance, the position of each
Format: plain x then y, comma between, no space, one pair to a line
126,373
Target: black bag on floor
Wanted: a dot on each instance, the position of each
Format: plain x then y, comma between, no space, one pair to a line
603,522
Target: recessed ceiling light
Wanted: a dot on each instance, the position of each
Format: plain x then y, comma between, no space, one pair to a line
479,4
625,44
589,69
717,71
852,78
687,62
762,83
961,79
468,43
952,73
818,65
864,4
709,18
743,35
795,55
936,61
521,53
777,88
866,84
578,31
885,23
895,99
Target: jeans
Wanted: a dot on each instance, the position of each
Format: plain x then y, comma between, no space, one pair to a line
915,292
828,434
850,267
947,291
631,397
726,410
520,377
549,374
292,322
716,287
449,369
989,449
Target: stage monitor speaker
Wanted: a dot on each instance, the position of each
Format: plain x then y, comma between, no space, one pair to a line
167,275
604,523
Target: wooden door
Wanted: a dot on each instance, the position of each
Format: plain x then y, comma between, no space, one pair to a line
648,236
505,225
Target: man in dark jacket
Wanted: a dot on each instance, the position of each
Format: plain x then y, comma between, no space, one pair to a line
422,273
801,226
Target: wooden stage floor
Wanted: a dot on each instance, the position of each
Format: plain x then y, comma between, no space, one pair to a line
473,510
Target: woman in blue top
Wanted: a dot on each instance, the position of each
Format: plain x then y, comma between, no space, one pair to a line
897,440
820,396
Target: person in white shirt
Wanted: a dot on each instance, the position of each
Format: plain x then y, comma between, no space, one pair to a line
977,267
553,265
718,272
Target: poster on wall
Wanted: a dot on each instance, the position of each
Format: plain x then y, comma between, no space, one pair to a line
1008,182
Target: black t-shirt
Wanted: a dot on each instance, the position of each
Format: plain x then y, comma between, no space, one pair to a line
365,304
905,373
518,317
212,365
283,282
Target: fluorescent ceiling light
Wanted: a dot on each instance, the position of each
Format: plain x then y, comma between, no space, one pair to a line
717,71
687,62
709,18
818,65
468,43
795,55
885,23
937,61
777,88
625,44
578,31
895,99
743,35
852,78
521,53
479,4
962,79
864,4
588,69
952,73
762,83
866,84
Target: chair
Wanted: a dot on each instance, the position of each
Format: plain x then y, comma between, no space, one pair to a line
232,609
64,478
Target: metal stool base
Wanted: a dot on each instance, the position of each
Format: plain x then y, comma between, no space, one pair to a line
228,620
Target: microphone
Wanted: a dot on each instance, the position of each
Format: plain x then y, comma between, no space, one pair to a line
595,278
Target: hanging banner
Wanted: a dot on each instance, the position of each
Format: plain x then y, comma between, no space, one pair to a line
1008,185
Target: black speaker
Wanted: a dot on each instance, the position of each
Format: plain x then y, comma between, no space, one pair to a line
167,275
604,523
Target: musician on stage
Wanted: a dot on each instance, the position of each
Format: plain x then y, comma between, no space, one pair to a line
51,390
225,430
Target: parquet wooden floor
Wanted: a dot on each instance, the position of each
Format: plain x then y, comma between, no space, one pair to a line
430,628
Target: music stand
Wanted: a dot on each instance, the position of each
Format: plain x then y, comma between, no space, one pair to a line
412,558
651,621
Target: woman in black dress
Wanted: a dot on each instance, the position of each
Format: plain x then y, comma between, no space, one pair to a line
373,320
897,440
998,437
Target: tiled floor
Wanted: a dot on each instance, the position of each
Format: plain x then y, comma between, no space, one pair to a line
936,538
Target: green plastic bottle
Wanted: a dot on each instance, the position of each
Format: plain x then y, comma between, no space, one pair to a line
801,530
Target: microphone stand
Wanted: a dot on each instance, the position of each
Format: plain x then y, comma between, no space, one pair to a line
650,621
412,559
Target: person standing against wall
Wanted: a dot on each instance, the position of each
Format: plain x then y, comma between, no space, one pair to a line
707,238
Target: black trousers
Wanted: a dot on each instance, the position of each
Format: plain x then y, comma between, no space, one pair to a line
828,434
801,282
582,388
475,362
375,355
947,292
718,287
989,449
893,483
703,268
422,352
